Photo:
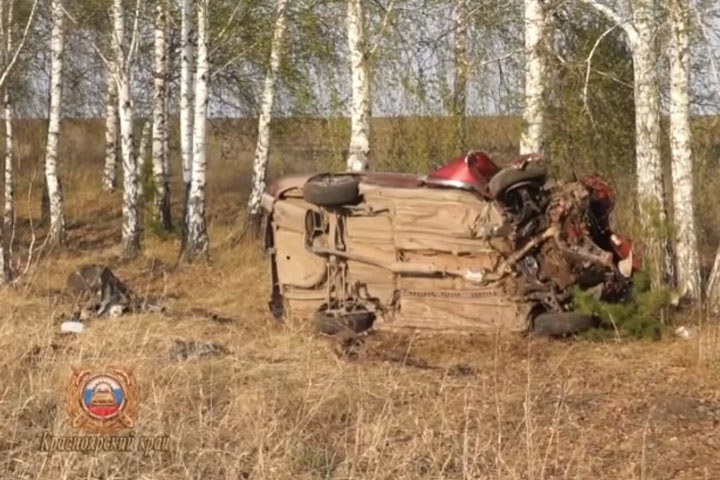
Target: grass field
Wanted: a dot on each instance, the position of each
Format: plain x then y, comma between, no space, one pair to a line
284,403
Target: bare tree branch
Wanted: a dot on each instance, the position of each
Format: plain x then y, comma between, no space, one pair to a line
624,23
383,27
588,61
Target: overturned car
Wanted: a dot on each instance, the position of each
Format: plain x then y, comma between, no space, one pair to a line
470,247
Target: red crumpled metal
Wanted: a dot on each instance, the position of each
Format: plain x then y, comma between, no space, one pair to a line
623,247
473,170
600,191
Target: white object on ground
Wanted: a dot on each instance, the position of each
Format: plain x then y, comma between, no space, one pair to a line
72,326
685,332
116,310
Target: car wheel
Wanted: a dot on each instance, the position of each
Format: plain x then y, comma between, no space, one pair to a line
557,324
332,190
508,177
355,322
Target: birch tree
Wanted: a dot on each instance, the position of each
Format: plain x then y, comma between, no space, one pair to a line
197,237
459,101
9,206
10,54
186,105
359,150
9,194
56,235
8,219
111,129
688,264
262,148
639,31
531,139
122,62
161,204
9,210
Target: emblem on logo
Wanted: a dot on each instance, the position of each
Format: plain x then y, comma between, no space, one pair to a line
102,401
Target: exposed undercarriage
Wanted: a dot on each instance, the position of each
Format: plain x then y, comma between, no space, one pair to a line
449,251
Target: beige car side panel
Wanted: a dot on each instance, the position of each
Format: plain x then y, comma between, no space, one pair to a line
290,215
441,220
300,303
370,229
296,266
453,219
458,315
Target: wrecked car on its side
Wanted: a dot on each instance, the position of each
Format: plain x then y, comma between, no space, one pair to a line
470,247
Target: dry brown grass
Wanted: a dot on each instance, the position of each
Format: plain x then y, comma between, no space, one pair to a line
283,404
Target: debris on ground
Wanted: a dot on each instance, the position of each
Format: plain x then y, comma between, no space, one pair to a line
686,333
91,282
72,326
96,291
184,350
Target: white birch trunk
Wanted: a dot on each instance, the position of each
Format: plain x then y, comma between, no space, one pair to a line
9,210
531,140
262,149
197,241
186,103
8,217
56,235
145,144
650,188
166,138
4,225
131,225
359,150
688,263
9,207
161,203
111,131
459,104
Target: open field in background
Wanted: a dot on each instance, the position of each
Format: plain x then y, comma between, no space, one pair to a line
403,143
399,143
286,404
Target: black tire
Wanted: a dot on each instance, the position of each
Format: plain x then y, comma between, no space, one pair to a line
332,190
508,177
557,324
355,322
